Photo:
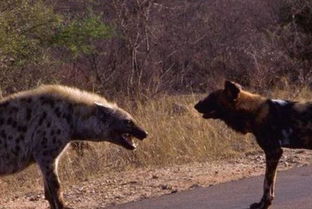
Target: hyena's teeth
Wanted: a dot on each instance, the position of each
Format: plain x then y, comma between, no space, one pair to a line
128,138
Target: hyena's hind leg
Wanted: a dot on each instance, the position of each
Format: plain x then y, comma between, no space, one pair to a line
272,159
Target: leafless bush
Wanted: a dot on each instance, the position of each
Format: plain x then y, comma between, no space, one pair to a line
184,45
181,46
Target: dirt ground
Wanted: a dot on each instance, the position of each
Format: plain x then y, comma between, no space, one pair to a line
136,184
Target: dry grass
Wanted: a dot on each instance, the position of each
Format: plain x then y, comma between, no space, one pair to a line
177,134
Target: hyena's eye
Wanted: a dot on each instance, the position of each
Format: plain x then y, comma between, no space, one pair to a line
129,123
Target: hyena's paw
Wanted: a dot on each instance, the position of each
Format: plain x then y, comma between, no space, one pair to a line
260,205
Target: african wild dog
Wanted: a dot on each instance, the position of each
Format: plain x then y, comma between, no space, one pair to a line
275,124
37,125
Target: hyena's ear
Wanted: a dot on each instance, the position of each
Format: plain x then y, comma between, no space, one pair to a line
232,89
103,112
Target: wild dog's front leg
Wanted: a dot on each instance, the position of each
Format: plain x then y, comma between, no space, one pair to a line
272,159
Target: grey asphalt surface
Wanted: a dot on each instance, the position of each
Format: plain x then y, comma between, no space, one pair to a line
293,191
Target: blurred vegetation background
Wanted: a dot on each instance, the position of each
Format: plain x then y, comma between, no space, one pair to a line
156,58
144,48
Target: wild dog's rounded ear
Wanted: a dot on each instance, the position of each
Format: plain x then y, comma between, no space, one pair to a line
232,89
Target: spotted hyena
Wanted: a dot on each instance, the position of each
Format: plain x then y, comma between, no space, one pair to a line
275,124
37,125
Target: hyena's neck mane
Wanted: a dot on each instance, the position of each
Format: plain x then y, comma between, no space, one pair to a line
63,93
73,95
248,110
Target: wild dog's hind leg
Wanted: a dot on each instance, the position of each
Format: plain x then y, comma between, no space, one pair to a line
272,159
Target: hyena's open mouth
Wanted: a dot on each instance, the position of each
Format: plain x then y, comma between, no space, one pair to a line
128,141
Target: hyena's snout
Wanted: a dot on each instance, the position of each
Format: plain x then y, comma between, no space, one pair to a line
139,133
126,140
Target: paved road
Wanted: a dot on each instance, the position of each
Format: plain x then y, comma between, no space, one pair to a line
294,191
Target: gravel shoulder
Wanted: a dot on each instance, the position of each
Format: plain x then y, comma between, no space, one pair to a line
135,184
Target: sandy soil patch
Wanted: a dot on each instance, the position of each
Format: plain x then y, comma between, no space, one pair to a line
125,186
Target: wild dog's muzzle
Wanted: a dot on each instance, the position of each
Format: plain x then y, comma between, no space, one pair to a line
207,112
199,107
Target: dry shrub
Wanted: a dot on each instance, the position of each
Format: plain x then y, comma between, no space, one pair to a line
177,134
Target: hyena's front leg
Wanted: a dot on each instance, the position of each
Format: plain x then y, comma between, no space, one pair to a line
52,187
272,159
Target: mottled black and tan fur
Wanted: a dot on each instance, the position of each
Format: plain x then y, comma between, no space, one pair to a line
37,125
275,124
